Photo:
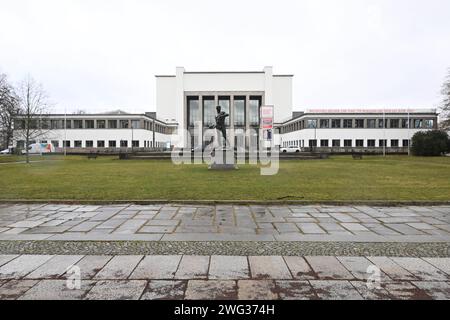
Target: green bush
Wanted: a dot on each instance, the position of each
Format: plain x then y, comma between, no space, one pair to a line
430,143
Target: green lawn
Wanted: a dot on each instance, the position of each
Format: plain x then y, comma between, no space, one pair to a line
338,178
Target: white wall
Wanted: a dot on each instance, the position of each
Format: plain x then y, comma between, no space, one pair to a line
104,135
170,90
224,82
282,98
347,134
166,98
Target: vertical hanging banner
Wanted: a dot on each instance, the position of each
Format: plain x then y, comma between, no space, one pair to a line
267,125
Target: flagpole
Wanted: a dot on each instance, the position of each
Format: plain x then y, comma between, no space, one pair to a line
65,131
409,140
384,132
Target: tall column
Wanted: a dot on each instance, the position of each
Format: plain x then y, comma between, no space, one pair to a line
180,107
268,85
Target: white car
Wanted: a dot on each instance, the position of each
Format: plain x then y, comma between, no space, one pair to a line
6,151
290,149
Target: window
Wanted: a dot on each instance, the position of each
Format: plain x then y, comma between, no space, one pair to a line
193,110
348,123
66,143
112,143
313,143
428,123
89,144
135,124
101,124
324,143
381,121
311,124
371,123
255,103
239,111
405,143
123,124
224,102
336,123
135,143
77,143
395,123
55,124
359,123
112,124
123,143
360,143
371,143
100,144
347,143
78,124
67,124
89,124
382,143
336,143
324,123
44,123
394,143
405,123
19,124
209,111
55,143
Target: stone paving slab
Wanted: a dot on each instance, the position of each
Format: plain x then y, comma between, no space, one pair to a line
228,267
117,290
177,222
328,268
156,267
119,267
56,290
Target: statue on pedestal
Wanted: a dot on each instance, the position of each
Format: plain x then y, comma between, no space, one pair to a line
220,125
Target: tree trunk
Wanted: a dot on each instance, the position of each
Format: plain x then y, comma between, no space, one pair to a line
27,141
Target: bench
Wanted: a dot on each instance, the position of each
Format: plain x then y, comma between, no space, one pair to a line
357,156
92,156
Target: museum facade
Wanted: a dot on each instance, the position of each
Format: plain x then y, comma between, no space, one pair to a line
186,107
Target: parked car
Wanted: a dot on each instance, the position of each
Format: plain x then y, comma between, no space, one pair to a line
6,151
290,149
40,148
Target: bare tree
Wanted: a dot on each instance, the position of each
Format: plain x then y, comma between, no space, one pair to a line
445,106
8,108
32,118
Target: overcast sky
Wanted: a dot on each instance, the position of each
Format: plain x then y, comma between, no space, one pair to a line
101,55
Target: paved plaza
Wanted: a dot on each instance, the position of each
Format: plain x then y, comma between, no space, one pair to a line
231,252
221,277
225,223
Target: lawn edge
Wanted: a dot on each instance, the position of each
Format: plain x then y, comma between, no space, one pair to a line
233,202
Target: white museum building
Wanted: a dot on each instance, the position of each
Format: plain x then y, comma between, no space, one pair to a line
186,105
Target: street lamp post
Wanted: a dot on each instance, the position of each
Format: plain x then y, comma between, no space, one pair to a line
132,138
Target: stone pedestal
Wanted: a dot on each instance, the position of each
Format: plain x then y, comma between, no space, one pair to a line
223,159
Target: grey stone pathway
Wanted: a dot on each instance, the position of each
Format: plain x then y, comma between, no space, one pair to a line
224,223
221,277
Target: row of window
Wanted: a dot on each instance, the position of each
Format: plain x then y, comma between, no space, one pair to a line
371,143
94,124
358,123
98,144
238,112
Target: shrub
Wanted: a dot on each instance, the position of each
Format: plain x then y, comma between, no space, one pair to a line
430,143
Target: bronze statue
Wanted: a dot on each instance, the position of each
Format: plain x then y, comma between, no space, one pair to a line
220,124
